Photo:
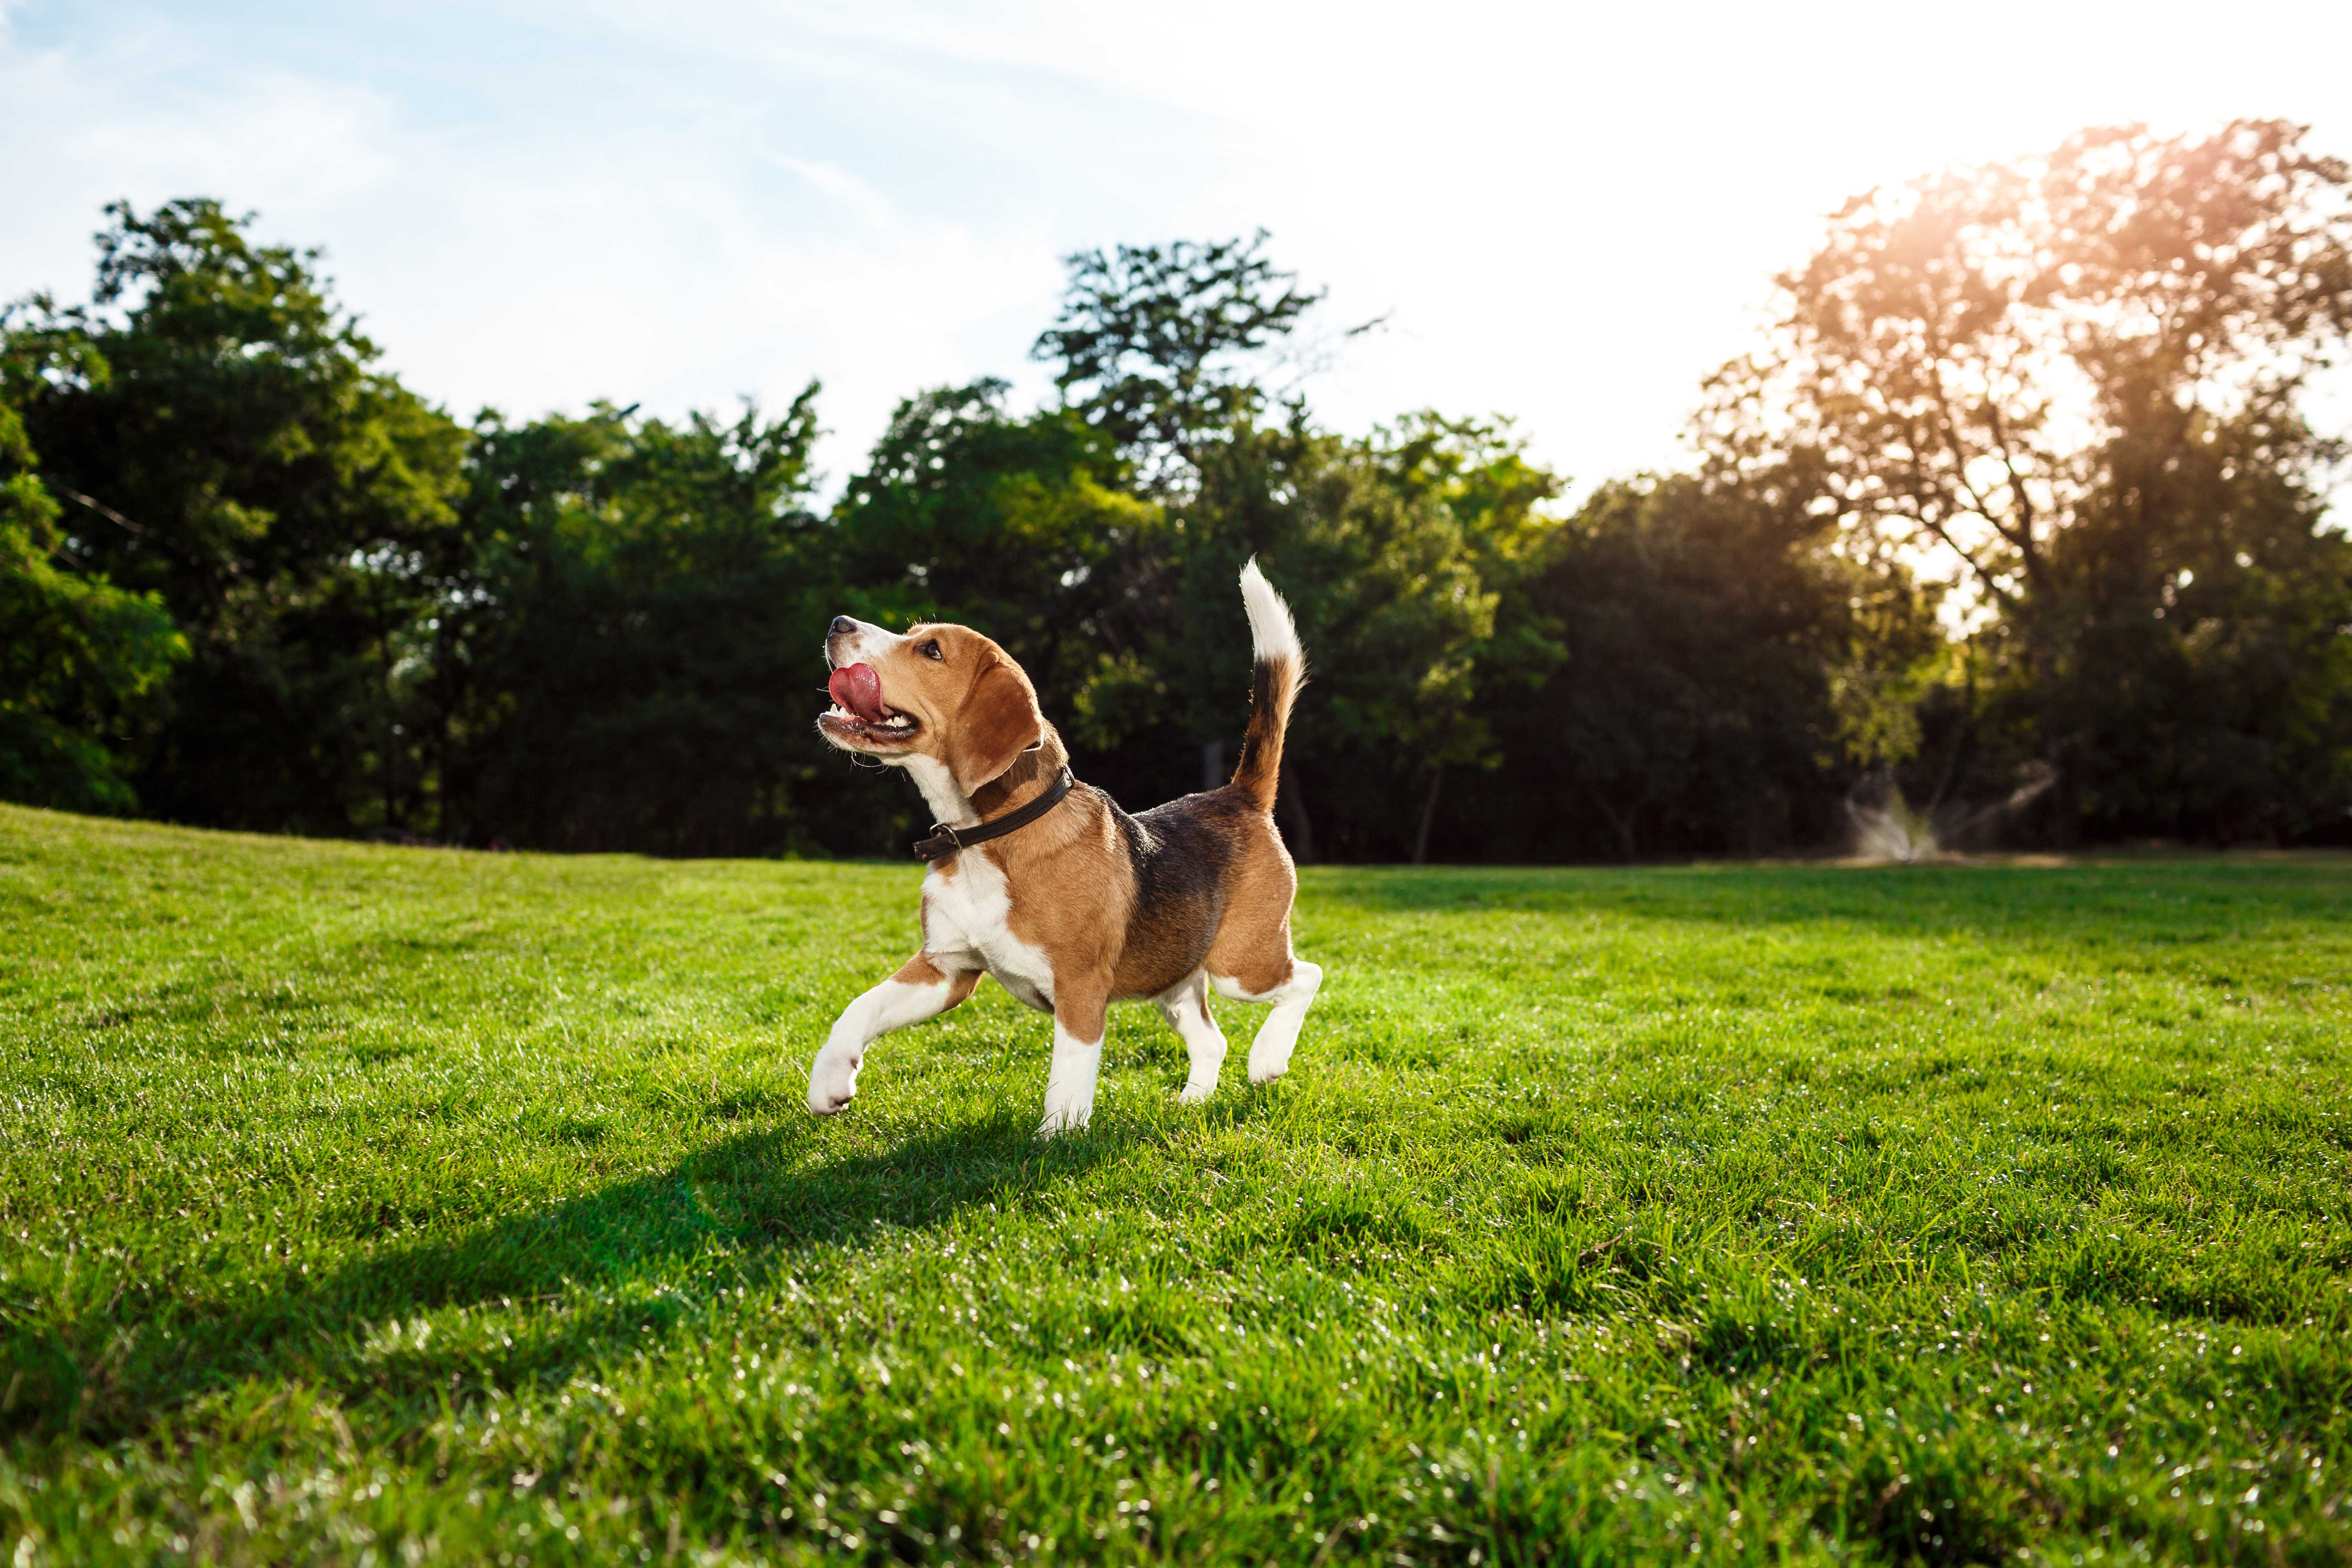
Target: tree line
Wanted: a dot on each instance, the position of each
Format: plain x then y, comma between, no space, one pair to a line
2016,514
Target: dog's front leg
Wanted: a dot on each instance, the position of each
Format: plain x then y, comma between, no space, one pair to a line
921,990
1081,1003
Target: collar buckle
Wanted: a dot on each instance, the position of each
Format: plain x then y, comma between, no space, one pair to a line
946,841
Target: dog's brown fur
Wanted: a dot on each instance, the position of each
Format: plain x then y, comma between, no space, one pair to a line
1158,904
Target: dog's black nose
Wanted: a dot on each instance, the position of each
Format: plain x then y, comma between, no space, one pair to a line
844,624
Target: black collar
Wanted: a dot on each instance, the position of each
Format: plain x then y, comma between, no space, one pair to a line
945,841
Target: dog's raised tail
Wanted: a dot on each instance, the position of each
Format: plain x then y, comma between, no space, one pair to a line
1277,670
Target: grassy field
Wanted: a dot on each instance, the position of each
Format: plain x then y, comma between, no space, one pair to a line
369,1204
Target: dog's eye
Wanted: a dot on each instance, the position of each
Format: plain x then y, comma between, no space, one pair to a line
930,649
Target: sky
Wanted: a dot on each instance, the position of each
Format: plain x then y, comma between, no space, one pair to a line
1566,215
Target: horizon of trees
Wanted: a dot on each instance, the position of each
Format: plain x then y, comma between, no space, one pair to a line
248,579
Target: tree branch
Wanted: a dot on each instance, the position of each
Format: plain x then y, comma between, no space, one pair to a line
100,508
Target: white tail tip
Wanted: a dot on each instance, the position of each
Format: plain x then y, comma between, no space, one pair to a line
1273,635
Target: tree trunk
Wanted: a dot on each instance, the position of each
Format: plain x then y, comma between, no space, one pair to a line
2065,799
1428,816
1213,764
1623,822
392,812
449,826
1300,831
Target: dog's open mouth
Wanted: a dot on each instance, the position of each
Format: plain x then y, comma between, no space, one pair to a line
859,713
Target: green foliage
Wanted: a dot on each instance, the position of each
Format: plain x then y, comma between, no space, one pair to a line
1024,525
244,462
627,640
444,1204
1369,545
1030,527
2077,382
1705,683
1156,343
2207,682
80,657
2081,379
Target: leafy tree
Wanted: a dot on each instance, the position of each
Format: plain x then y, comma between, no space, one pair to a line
629,651
1163,349
1368,540
80,657
1159,346
1700,698
2081,381
1027,526
243,461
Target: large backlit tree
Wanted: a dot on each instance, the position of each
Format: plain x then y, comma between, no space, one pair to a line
2082,382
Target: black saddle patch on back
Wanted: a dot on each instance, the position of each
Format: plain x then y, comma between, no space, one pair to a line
1180,852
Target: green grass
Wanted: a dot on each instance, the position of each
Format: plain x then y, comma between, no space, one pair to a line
395,1206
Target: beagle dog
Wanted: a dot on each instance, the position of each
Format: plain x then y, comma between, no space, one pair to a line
1071,903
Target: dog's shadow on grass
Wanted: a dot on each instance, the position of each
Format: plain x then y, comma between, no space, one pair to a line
595,1274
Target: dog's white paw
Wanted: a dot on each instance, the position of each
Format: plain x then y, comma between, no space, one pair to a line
833,1083
1193,1093
1268,1070
1058,1123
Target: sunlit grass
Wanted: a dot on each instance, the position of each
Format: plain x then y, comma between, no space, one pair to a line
462,1208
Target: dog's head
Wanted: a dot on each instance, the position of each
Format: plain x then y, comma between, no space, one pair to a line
939,691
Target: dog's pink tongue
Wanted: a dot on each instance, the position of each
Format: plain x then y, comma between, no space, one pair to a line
856,687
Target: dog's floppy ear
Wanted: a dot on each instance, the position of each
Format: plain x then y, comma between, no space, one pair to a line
998,721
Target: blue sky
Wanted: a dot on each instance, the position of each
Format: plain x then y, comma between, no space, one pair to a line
1569,215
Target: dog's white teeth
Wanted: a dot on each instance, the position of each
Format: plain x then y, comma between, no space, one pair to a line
894,721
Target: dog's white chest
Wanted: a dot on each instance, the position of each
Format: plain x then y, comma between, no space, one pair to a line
969,913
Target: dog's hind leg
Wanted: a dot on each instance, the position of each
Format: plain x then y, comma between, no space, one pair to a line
920,990
1269,1055
1186,1008
1251,959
